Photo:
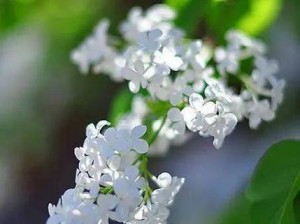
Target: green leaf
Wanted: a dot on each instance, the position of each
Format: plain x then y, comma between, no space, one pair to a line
120,106
216,17
275,184
251,16
273,194
189,13
260,16
236,213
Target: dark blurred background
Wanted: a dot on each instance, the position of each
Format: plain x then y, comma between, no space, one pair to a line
45,105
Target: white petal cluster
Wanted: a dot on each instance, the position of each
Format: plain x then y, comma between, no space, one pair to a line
179,85
109,184
97,54
264,92
170,134
156,211
159,59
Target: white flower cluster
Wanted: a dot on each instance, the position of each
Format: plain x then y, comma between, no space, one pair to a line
110,185
196,87
192,76
263,93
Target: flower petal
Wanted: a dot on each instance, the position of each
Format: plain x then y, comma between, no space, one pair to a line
140,146
196,101
138,131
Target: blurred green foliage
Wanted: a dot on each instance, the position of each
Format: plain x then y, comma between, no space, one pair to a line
251,16
272,196
62,25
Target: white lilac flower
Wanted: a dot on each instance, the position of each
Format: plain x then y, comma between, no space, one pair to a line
168,58
216,90
106,204
93,49
116,166
227,59
156,17
198,113
127,189
93,131
90,168
167,137
179,89
71,208
150,214
259,111
159,87
111,180
177,121
130,27
198,79
221,125
169,187
236,106
264,70
248,45
115,173
123,141
111,65
237,38
277,93
160,12
240,46
149,40
197,56
136,76
138,144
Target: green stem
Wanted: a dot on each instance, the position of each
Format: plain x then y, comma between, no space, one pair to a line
156,133
144,162
107,190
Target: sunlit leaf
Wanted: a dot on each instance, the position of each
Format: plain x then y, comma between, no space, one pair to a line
260,16
120,106
189,13
251,16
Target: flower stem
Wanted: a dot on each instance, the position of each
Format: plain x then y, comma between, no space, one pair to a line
144,162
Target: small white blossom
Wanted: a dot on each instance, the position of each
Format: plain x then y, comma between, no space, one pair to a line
94,48
177,121
127,189
179,89
221,125
106,205
264,70
93,131
72,209
169,187
277,93
149,40
259,111
199,113
168,58
227,59
216,90
136,76
150,214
